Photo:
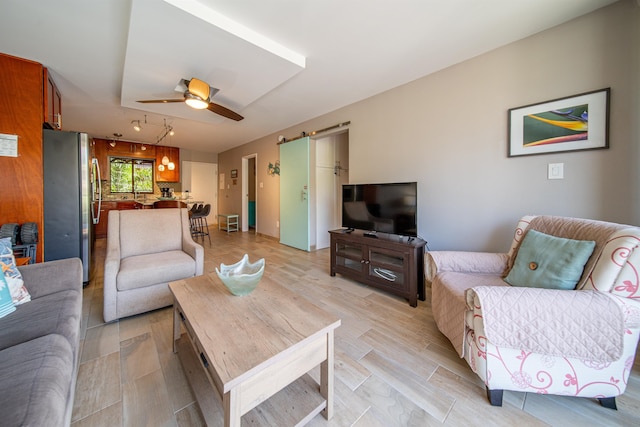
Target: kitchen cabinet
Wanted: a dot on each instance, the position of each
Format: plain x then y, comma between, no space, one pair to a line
103,150
130,149
52,105
173,153
388,262
127,205
100,153
102,226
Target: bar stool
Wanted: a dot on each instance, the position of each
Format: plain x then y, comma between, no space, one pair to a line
201,223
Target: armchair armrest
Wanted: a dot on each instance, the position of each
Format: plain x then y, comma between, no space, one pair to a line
195,251
111,269
588,325
464,262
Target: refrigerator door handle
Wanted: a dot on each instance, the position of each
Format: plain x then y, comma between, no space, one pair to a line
95,214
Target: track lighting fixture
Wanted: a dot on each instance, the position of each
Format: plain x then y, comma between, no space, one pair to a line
116,136
137,126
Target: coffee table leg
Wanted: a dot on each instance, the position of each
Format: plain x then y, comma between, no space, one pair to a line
231,405
326,378
176,325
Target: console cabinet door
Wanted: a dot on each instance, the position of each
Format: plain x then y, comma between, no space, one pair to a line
388,268
349,257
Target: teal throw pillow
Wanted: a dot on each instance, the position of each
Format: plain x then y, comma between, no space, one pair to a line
12,275
545,261
6,302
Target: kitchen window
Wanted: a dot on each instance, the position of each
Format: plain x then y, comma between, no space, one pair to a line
131,175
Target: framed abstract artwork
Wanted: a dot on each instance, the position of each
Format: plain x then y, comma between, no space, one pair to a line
578,122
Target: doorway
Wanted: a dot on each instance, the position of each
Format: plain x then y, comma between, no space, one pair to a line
250,195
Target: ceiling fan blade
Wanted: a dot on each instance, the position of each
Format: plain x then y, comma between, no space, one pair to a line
161,101
224,111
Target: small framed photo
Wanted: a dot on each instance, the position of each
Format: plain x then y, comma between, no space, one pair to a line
234,173
578,122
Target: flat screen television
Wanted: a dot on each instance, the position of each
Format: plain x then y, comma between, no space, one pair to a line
385,208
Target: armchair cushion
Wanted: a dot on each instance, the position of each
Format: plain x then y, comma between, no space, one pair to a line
587,325
545,261
139,271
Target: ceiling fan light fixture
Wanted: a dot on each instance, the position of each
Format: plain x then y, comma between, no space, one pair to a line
194,101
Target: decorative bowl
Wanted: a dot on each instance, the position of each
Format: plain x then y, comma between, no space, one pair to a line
242,277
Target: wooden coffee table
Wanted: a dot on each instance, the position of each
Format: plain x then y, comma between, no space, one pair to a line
254,346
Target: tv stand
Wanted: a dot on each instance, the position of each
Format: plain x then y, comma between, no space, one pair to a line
387,262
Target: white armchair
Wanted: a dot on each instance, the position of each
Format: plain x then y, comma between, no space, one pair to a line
147,249
579,342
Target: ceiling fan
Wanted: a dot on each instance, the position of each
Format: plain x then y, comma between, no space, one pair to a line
197,94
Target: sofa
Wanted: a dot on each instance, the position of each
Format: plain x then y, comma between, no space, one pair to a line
147,249
559,313
39,347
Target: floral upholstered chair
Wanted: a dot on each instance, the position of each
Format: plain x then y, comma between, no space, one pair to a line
558,314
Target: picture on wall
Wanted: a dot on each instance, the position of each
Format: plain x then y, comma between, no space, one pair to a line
579,122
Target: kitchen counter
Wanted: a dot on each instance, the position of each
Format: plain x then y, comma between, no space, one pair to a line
119,203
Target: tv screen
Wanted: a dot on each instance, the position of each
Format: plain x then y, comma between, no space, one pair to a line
385,208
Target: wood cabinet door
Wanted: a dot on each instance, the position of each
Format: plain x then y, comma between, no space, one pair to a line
52,105
102,226
100,153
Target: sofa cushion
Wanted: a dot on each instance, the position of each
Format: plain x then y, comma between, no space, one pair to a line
56,313
36,377
151,269
546,261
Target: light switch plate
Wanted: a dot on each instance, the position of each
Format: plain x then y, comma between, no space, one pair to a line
555,171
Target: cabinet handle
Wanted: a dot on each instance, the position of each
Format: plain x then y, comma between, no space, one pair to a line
385,274
204,360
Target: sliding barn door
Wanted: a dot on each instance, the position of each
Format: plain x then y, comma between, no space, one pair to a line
294,194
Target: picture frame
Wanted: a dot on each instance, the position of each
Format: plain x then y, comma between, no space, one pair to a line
574,123
234,173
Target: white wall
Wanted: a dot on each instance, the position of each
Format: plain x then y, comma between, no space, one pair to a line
200,179
448,132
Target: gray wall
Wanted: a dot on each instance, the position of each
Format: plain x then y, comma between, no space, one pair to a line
448,132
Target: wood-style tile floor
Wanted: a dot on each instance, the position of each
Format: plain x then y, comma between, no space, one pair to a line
393,367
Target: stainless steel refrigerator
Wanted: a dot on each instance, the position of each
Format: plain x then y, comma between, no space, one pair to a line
68,197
